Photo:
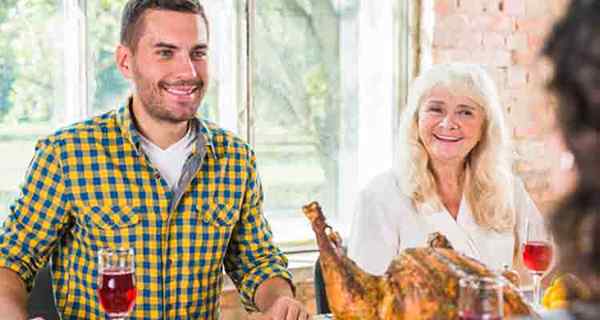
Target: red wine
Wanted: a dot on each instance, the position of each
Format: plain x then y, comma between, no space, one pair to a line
117,291
537,255
466,315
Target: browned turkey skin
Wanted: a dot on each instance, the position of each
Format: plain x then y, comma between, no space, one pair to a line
420,283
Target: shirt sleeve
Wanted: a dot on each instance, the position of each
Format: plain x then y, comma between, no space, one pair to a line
374,240
36,218
252,256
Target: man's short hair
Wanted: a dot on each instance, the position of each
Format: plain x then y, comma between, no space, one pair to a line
134,10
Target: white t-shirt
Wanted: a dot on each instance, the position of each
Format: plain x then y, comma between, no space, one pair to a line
170,161
386,222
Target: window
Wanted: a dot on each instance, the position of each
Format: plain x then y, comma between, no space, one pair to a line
326,89
313,85
31,84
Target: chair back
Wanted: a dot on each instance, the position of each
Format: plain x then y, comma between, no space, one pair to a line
41,298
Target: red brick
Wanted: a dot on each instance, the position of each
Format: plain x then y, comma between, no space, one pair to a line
468,39
444,7
514,7
457,22
537,8
444,38
537,25
517,41
472,7
524,58
496,58
535,41
452,55
494,40
516,77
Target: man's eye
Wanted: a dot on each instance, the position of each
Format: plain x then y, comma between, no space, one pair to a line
165,53
199,54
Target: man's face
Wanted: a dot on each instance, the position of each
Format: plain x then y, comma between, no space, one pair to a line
169,66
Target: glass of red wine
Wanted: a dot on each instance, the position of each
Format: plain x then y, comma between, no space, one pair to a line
116,282
480,298
537,256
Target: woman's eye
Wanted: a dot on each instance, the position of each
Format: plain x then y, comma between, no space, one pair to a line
466,113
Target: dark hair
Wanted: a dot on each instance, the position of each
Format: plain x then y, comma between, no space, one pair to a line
574,50
134,10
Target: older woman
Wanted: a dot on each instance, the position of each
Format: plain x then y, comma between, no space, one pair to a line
452,175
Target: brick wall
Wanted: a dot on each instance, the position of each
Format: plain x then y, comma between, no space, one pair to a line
506,36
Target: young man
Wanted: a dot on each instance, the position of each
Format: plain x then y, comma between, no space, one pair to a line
181,192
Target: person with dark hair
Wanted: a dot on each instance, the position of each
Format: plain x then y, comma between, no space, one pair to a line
574,50
150,176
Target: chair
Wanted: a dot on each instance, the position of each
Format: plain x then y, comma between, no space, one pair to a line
41,297
320,292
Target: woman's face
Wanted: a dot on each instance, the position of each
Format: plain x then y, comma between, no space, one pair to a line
449,125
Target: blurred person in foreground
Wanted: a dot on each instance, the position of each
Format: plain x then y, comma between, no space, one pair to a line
150,175
574,50
452,174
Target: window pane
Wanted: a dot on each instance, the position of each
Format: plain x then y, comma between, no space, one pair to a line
31,88
324,102
108,87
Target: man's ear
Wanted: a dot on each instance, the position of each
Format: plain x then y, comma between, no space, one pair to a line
123,59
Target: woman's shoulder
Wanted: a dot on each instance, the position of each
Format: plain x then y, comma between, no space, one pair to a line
383,185
384,191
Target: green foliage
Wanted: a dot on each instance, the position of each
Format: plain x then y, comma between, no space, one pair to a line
32,63
103,29
29,33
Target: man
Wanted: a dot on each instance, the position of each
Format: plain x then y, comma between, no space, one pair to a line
181,192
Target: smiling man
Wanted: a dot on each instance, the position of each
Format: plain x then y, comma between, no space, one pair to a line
181,192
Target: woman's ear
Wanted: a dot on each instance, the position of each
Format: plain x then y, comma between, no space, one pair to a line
123,57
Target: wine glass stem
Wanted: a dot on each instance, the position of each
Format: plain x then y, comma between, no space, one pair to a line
537,289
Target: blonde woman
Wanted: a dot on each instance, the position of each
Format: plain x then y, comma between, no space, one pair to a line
452,175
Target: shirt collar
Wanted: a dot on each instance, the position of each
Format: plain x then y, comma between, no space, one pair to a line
126,122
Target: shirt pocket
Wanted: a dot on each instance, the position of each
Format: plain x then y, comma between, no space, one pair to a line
217,214
111,218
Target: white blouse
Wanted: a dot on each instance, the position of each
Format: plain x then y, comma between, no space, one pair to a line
387,222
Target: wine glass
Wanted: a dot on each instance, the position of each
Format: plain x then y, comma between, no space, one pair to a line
480,298
116,283
537,256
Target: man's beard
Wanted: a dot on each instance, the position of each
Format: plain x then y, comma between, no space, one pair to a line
153,99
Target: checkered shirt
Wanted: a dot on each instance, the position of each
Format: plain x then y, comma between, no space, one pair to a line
90,186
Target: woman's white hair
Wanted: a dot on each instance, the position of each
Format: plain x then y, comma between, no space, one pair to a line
488,185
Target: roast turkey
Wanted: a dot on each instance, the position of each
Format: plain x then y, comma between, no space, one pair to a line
420,283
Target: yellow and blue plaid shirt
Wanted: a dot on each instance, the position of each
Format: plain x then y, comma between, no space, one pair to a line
90,186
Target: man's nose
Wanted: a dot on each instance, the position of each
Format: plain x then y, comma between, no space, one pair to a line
186,68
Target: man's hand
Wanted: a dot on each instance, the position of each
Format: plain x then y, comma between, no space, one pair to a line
286,308
274,298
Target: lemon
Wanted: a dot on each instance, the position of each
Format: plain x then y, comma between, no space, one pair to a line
556,295
558,304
